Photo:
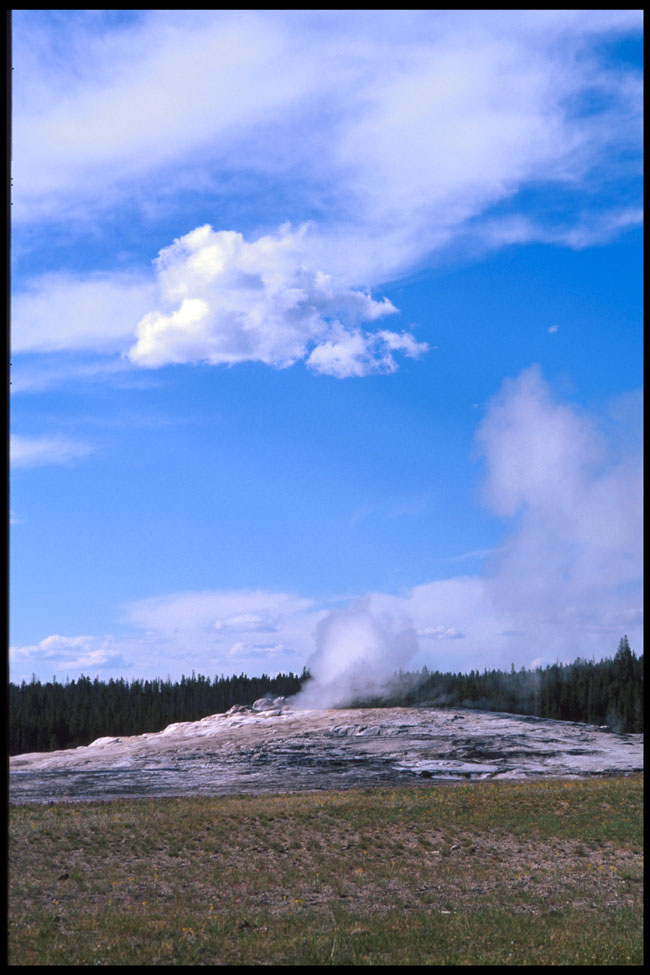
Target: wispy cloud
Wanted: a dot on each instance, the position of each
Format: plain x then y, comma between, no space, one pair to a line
476,553
76,654
62,311
28,451
210,629
577,230
405,115
399,507
45,371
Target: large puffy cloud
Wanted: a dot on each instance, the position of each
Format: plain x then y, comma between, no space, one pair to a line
228,300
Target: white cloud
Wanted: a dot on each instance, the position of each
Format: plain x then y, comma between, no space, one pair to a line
458,624
62,654
449,624
35,373
226,300
108,115
215,609
397,131
578,231
261,653
209,630
440,632
39,451
352,353
64,311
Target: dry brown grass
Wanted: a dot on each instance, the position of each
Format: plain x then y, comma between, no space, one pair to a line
517,873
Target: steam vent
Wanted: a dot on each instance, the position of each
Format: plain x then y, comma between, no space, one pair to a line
270,747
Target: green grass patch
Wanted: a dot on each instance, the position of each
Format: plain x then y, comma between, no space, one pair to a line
488,873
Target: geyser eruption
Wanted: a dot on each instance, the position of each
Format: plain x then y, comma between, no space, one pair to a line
358,650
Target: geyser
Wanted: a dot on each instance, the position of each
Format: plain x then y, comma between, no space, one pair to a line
358,650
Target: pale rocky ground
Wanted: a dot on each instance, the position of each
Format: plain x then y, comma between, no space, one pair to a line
272,748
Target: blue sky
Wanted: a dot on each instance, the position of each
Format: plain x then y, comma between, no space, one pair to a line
326,340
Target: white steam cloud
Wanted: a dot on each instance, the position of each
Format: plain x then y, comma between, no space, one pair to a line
357,652
572,566
565,581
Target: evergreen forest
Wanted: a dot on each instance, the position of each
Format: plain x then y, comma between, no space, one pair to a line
46,717
607,692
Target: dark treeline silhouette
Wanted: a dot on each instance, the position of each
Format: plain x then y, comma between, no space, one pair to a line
45,717
608,692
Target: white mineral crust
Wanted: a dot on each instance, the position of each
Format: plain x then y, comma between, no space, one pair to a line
271,747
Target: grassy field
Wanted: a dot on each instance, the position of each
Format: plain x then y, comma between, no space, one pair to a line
517,873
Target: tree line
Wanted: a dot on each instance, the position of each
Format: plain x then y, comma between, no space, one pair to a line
605,692
46,717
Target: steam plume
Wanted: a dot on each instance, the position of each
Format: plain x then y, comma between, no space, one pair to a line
358,649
